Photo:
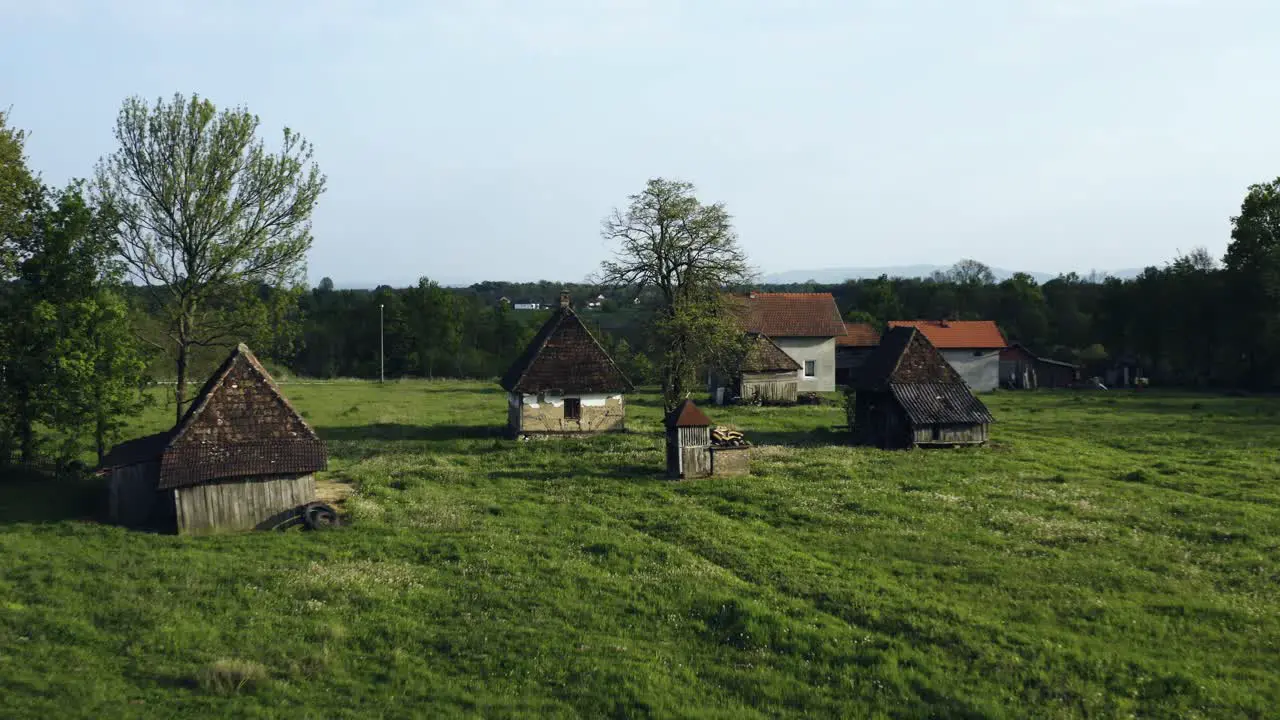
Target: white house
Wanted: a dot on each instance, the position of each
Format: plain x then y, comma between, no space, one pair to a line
972,347
804,326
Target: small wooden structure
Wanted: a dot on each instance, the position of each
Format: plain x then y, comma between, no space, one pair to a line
767,375
908,395
1021,369
241,458
694,451
564,382
688,441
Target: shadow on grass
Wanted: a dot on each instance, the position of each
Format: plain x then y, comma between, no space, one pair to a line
36,498
800,438
633,472
400,432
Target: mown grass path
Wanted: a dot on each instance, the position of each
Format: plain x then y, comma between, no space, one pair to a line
1109,554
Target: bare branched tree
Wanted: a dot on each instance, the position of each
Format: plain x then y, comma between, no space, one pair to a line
688,253
207,214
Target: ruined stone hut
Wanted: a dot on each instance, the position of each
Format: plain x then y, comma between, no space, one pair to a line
241,458
908,395
565,382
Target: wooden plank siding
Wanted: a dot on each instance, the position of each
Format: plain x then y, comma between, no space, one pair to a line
687,453
242,504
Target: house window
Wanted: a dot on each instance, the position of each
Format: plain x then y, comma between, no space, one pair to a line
572,409
810,368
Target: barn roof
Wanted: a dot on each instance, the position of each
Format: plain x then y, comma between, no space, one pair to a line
764,355
921,380
137,450
858,335
957,334
905,355
239,425
687,414
793,315
564,356
930,403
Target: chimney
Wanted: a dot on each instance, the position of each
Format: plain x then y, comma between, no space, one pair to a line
564,298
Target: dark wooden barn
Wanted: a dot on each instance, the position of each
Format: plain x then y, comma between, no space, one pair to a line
1021,369
564,382
852,350
241,458
908,395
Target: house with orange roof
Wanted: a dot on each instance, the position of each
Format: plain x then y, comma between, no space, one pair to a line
852,350
971,346
805,327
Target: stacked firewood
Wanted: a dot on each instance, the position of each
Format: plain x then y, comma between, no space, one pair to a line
725,437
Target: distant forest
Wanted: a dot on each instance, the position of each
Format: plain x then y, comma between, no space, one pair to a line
1185,323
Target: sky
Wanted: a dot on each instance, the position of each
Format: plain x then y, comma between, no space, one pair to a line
466,140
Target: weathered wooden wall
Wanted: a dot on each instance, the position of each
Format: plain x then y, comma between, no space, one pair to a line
769,388
132,494
687,455
241,504
727,461
880,421
949,434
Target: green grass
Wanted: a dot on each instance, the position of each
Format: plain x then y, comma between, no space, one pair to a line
1107,555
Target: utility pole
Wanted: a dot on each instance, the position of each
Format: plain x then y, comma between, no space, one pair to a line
382,353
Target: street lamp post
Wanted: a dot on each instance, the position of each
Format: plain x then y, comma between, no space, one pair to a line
382,354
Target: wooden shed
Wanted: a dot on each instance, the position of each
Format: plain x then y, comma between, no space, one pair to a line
564,382
767,375
908,395
241,458
688,441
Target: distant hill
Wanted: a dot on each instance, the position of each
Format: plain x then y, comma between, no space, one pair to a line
832,276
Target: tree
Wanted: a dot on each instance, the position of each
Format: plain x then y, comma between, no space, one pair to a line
688,253
207,215
1253,263
74,368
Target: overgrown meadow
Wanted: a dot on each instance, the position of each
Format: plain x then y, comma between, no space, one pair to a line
1109,554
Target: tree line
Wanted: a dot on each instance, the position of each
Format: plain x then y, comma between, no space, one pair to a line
192,236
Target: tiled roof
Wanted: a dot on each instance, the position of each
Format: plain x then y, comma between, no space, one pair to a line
858,335
687,414
957,334
239,425
793,315
905,355
565,356
763,355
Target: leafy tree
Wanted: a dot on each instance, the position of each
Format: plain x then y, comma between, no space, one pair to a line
207,215
1253,262
688,253
75,367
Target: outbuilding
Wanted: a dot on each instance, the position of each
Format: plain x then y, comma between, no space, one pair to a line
908,395
564,382
971,346
241,458
766,376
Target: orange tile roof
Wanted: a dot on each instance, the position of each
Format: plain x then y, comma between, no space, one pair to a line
793,315
858,335
957,334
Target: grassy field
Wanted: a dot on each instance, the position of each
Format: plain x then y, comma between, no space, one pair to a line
1107,555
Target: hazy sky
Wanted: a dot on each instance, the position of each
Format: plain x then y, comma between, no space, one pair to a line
486,139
